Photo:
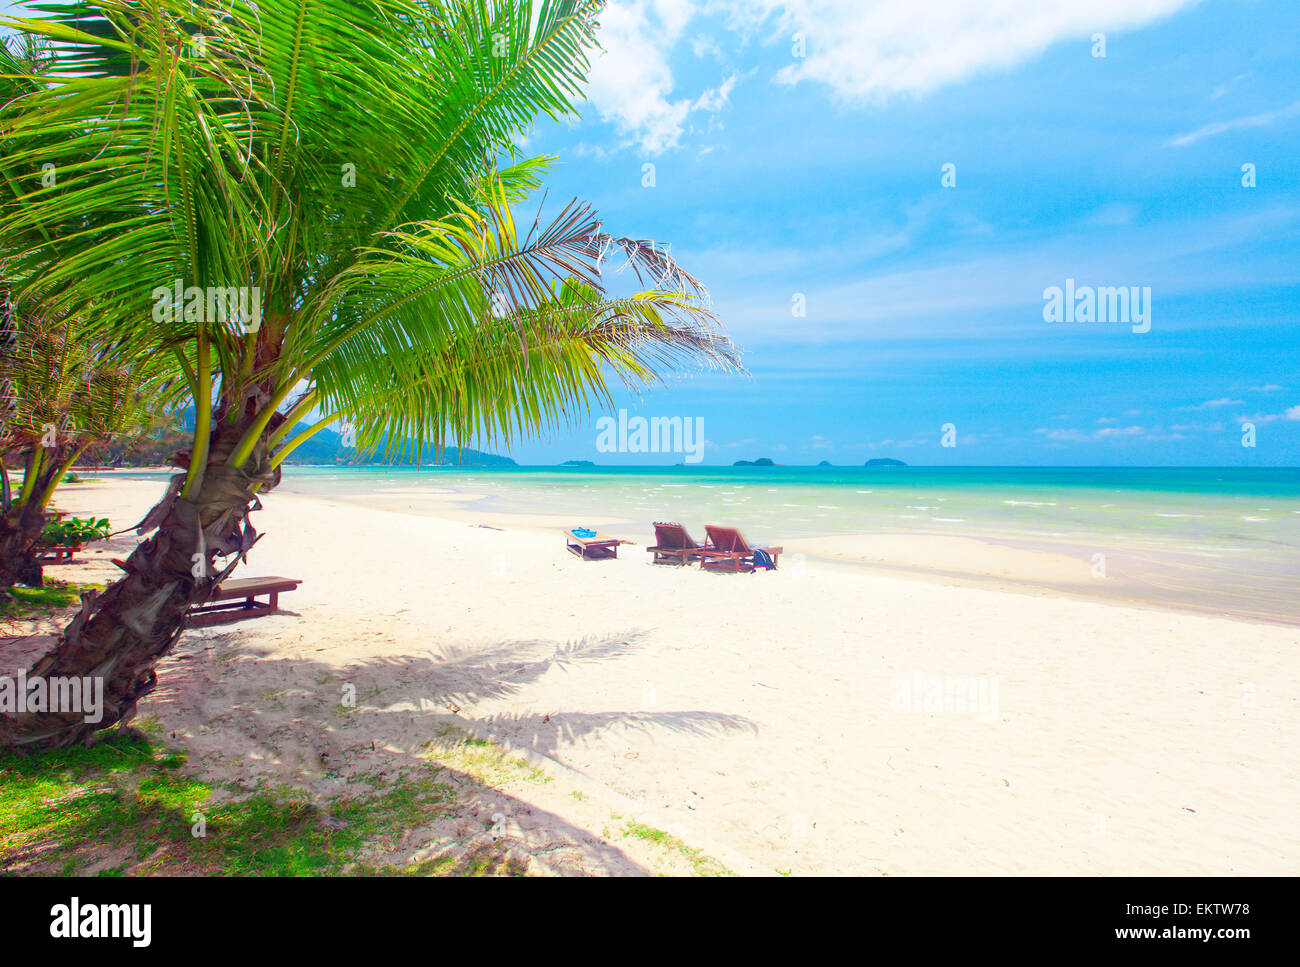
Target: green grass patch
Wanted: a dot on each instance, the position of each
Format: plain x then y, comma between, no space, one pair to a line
704,865
43,601
126,806
482,759
123,805
488,860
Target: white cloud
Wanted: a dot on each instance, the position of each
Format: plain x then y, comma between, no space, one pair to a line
1081,436
1266,388
715,98
872,49
959,291
631,84
1179,431
703,45
1213,404
584,150
864,50
1111,431
1291,414
1223,89
630,81
1221,127
673,14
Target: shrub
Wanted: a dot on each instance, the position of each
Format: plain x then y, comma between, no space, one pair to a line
74,531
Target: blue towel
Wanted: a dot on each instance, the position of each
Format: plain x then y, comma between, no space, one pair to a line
583,532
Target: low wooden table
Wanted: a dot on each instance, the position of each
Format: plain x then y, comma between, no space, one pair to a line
224,606
596,548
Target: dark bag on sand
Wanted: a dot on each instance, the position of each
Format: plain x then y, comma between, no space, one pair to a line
763,559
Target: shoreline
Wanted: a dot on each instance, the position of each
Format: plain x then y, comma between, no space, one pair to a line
1012,563
1015,564
834,721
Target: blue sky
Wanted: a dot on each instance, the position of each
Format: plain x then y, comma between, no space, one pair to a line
778,175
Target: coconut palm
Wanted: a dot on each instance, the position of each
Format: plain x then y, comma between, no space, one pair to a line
349,169
62,394
40,388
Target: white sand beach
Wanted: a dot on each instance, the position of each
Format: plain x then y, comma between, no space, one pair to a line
825,718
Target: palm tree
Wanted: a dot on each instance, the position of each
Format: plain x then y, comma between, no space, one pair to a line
158,435
62,394
339,164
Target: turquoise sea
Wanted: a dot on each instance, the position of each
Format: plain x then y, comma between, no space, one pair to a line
1202,537
1209,538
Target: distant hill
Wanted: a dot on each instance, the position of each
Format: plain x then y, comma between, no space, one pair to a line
885,462
327,447
577,463
824,463
760,462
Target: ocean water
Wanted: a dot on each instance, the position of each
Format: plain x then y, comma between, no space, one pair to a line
1208,538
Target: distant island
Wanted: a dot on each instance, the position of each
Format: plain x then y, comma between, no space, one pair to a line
577,463
885,462
824,463
760,462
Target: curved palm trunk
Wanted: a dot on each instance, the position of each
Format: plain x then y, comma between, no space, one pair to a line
119,635
20,529
21,525
22,522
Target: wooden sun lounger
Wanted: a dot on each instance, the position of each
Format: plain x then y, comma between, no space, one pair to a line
731,552
236,600
597,548
674,546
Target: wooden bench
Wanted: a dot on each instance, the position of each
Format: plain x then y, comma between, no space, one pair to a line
236,600
57,555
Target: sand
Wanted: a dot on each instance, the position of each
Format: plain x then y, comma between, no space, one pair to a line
826,718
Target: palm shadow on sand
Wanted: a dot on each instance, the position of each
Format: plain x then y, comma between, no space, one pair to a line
253,719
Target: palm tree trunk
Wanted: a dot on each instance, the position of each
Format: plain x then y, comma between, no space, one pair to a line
22,522
120,635
20,528
21,525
